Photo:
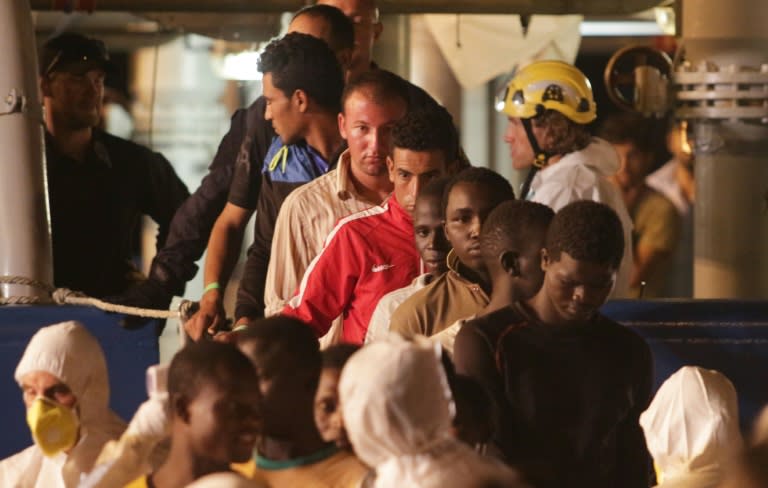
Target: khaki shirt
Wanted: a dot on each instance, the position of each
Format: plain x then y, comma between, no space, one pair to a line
437,306
307,216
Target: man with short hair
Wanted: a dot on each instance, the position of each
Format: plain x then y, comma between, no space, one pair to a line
290,450
371,253
364,14
464,289
433,247
214,414
302,85
371,104
572,383
656,222
511,241
98,184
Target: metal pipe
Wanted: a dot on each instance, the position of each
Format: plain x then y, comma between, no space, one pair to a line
552,7
25,235
722,93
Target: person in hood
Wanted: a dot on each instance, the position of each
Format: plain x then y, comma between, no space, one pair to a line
548,105
398,409
63,377
692,428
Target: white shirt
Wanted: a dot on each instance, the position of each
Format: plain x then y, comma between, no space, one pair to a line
382,315
664,181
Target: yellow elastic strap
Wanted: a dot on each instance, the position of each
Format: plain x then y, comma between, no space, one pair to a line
280,157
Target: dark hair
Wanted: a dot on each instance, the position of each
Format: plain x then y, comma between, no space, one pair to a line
563,135
302,62
435,189
496,185
379,85
426,128
285,337
341,28
630,128
336,356
205,362
587,231
514,225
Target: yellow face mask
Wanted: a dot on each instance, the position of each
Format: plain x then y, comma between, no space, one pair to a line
54,427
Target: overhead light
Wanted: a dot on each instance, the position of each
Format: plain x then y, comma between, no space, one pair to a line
243,66
665,17
620,28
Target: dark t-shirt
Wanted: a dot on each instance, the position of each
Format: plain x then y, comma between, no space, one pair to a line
570,397
96,207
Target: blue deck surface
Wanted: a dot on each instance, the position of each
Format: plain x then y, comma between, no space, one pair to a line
128,353
729,336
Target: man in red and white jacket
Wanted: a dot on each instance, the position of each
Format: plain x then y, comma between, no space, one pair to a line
372,252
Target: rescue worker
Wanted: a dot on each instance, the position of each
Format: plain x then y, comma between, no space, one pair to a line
692,428
63,377
548,105
398,411
98,184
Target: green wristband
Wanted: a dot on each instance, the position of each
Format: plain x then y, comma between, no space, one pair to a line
240,327
211,286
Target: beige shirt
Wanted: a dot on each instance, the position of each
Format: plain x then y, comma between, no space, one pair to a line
305,219
437,306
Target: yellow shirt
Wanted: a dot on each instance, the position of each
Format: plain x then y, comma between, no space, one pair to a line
339,469
138,483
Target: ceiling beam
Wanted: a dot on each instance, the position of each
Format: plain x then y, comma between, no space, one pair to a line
552,7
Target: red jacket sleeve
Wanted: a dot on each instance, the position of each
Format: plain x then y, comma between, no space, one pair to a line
329,282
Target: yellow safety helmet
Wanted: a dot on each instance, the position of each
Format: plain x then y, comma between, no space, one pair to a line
553,85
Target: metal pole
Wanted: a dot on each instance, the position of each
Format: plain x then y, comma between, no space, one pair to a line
25,235
722,89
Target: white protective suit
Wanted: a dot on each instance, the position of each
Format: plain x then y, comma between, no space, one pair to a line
397,409
69,352
692,428
582,175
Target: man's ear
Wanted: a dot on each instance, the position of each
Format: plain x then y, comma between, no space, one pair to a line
301,100
544,260
378,28
510,263
180,408
391,168
342,131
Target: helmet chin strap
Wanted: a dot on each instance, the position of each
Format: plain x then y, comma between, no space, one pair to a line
540,157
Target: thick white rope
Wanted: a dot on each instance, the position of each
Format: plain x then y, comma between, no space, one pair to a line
63,296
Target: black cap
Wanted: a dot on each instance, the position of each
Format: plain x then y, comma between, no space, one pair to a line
72,51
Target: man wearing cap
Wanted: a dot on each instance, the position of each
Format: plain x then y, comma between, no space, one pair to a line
98,185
